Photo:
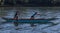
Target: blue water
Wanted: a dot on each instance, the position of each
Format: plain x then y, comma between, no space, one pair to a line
10,28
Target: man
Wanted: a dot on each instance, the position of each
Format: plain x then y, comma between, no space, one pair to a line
16,19
32,17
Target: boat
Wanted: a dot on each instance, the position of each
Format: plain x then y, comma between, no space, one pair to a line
31,20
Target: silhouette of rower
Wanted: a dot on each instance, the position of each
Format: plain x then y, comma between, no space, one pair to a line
16,19
32,17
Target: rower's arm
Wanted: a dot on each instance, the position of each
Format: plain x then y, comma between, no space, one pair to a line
32,17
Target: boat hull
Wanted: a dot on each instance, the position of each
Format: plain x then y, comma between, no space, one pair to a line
41,21
31,21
